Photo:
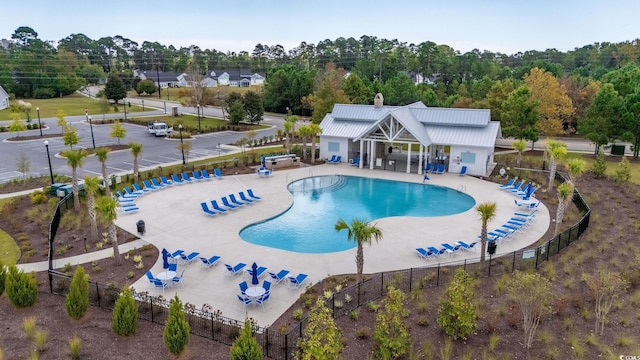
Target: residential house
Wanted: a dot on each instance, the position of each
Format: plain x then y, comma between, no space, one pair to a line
237,77
4,99
411,136
166,79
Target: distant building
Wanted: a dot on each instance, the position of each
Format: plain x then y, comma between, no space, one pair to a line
213,78
4,43
4,99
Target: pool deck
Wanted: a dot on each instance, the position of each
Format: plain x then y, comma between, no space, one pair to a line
174,220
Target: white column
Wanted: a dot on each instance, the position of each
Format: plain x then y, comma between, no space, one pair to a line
372,154
408,158
420,159
361,154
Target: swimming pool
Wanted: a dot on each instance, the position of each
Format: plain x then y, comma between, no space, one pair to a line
318,202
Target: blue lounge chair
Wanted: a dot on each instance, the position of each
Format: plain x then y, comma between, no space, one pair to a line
234,270
206,210
466,246
161,284
267,286
158,184
279,276
523,190
197,176
130,209
259,271
427,168
150,277
244,198
186,178
205,175
218,173
188,258
252,195
441,168
338,159
451,247
508,184
463,171
226,203
243,287
333,159
296,282
176,179
126,203
210,262
126,196
235,201
166,181
176,254
173,267
356,161
216,207
148,185
140,188
132,192
423,253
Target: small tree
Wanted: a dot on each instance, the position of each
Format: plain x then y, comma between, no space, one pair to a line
75,160
106,208
91,187
604,287
125,314
176,329
322,339
21,288
519,146
487,212
118,131
61,120
3,277
623,172
361,232
392,334
246,347
70,135
185,147
77,300
115,88
599,167
236,112
532,293
146,86
102,153
555,150
457,315
23,164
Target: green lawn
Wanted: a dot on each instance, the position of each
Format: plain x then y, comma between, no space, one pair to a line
9,250
71,105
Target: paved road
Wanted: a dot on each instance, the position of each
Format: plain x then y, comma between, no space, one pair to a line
156,151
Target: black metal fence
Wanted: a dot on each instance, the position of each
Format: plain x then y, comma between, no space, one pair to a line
62,205
282,343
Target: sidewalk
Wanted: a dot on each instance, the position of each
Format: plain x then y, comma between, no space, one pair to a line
81,259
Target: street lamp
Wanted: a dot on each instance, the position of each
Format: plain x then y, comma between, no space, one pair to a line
124,104
39,123
46,145
198,109
91,127
181,144
142,104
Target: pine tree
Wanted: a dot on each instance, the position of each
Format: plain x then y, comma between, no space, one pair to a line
21,288
125,314
246,346
77,300
392,334
176,329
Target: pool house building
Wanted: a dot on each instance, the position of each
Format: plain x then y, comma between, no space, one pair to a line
410,138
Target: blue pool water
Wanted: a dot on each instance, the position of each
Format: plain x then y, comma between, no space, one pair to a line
318,202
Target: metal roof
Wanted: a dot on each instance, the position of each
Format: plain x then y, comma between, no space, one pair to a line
464,136
404,116
343,129
452,117
359,112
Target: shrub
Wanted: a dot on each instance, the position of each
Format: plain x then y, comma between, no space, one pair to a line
599,167
74,348
77,300
38,197
457,315
246,347
297,314
29,326
322,339
623,172
22,289
125,314
3,276
40,339
176,329
391,333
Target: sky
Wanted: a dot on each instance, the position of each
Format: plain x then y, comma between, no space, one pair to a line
506,26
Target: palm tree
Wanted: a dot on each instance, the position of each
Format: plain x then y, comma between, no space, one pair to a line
575,168
555,149
91,187
315,130
289,128
305,133
487,212
74,160
136,150
103,153
361,232
106,208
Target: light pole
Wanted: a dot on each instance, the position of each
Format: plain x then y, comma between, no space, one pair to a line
198,109
124,104
39,123
91,127
142,104
46,145
181,144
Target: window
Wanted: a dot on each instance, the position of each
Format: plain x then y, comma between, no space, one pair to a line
468,157
333,146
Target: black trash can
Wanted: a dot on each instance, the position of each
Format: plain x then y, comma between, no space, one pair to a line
491,247
141,227
618,149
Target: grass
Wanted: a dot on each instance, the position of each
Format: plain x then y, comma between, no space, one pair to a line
9,249
71,105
